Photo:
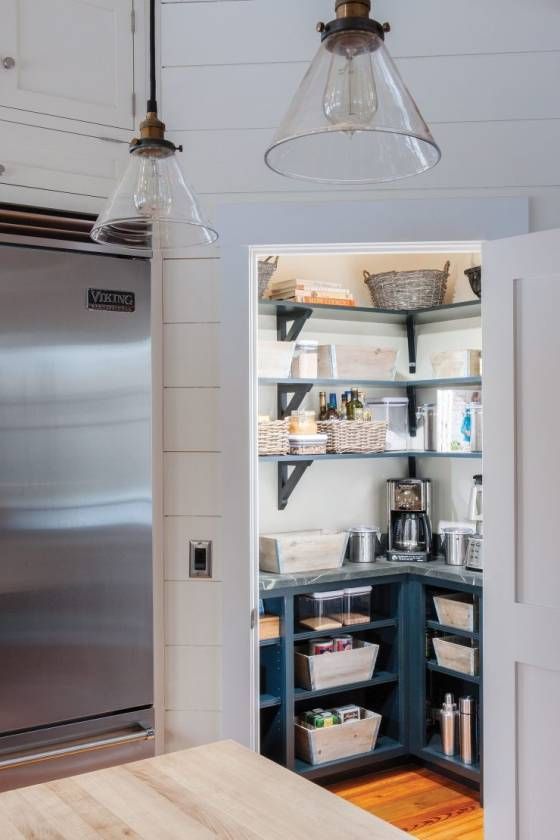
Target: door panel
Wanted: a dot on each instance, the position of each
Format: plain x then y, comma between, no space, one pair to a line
73,58
56,160
521,295
75,492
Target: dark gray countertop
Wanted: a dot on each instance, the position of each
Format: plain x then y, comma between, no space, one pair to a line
382,568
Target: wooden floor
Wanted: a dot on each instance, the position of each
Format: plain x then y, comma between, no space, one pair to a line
422,803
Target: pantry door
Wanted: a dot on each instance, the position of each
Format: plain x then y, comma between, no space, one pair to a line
521,339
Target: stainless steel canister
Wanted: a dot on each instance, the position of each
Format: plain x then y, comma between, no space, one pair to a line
467,730
426,418
455,545
476,427
363,544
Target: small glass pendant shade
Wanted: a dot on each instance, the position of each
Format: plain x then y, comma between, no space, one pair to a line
152,206
352,120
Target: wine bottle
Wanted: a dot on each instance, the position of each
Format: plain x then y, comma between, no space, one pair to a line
322,405
332,412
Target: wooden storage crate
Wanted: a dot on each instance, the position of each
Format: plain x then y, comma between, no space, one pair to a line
275,359
269,627
456,653
455,363
343,361
318,746
330,670
302,551
456,610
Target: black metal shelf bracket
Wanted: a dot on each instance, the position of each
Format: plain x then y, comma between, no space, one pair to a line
412,409
411,337
288,481
284,404
297,317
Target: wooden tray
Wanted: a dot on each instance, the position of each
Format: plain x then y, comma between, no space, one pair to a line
329,670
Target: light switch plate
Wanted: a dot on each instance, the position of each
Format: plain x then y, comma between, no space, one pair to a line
200,558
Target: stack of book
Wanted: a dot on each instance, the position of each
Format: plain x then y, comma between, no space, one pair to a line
310,291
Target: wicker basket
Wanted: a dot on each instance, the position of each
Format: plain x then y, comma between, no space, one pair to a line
408,289
354,435
273,437
266,270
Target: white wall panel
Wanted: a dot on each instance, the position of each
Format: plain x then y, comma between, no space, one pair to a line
193,678
191,419
192,484
186,729
239,31
191,291
193,613
447,88
178,531
190,355
475,155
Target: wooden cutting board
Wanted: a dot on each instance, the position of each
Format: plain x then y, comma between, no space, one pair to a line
217,791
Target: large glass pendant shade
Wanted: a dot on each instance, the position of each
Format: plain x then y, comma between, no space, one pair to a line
152,206
352,120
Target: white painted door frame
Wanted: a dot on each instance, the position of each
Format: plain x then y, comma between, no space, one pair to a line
251,228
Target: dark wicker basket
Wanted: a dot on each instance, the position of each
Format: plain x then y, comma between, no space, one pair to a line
475,279
420,289
266,270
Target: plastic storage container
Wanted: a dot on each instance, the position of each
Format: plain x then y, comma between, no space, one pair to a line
306,360
394,411
321,610
357,605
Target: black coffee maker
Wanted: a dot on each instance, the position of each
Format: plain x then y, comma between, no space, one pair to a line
409,524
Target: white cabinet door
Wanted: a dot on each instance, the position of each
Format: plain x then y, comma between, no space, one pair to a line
521,301
58,160
68,58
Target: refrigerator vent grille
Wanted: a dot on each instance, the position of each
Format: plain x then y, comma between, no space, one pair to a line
45,223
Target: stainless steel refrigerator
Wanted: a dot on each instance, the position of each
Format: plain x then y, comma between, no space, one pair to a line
76,649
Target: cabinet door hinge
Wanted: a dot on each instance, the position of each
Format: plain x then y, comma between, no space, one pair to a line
253,618
133,20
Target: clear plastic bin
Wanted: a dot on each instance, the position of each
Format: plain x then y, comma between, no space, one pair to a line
357,605
321,610
394,411
306,360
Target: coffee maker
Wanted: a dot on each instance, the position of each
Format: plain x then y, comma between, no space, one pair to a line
408,515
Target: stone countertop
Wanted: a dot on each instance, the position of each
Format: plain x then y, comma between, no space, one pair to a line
351,572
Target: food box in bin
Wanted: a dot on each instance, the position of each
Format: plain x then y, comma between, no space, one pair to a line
456,654
456,610
275,359
269,627
319,746
302,551
344,361
330,670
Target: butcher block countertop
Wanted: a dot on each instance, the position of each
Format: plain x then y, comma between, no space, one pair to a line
217,791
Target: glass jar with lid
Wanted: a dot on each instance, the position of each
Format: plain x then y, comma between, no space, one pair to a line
321,610
305,364
302,423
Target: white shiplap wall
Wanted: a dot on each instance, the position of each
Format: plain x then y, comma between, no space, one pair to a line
485,76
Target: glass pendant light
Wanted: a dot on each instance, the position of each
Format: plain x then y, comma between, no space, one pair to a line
152,205
352,120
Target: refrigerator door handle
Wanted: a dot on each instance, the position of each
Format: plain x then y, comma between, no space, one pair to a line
24,758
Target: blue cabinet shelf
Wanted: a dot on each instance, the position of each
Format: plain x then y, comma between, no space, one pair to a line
451,631
433,752
268,701
354,628
433,666
379,678
385,750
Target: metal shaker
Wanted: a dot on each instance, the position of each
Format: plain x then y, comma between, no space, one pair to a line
448,717
467,729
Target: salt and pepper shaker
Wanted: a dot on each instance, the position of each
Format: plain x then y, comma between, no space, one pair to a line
467,729
448,721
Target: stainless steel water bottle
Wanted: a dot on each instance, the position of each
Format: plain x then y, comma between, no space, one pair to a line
448,721
467,729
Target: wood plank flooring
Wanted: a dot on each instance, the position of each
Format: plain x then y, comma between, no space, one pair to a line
424,804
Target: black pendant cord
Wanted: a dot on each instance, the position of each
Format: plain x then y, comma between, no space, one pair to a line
152,102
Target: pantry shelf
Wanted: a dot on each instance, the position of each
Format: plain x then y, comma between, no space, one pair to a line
433,752
385,749
268,701
433,666
451,631
381,678
298,314
448,382
270,642
352,628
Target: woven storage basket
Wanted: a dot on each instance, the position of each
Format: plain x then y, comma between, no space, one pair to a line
266,270
273,437
354,435
408,289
